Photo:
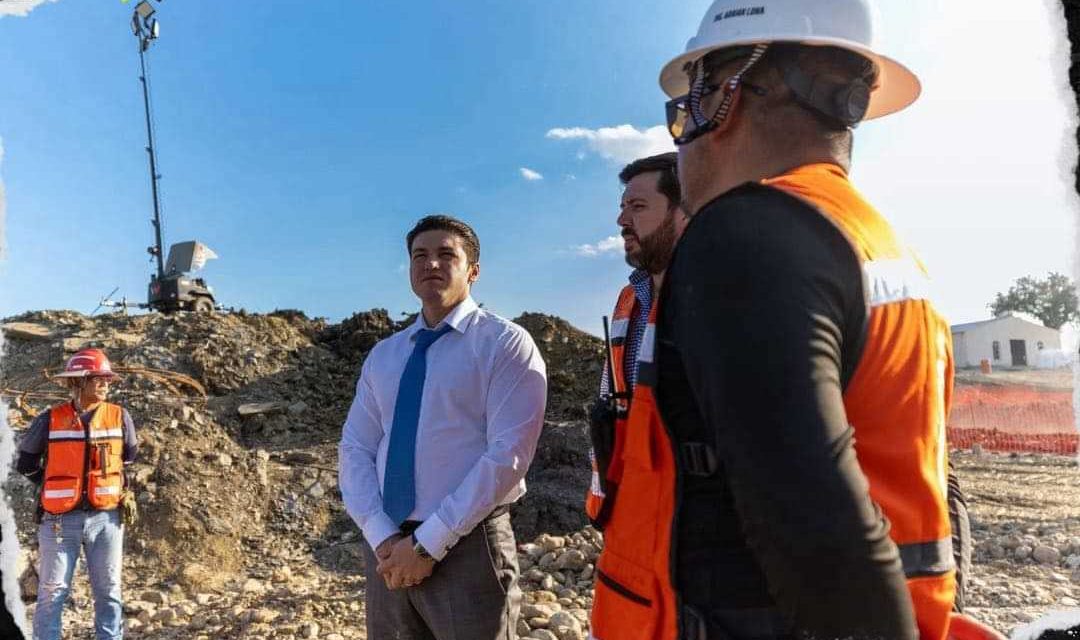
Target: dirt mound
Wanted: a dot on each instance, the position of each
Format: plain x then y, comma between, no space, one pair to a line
574,360
239,417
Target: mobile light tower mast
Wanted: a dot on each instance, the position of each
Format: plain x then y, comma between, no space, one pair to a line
171,288
146,28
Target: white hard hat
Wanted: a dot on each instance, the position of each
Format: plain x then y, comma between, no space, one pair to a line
847,24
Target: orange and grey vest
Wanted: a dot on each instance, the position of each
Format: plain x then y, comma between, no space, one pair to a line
896,402
84,459
898,398
600,497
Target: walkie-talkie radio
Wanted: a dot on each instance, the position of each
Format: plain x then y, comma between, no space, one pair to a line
611,403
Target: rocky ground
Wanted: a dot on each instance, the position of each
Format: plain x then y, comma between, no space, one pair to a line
243,534
1026,524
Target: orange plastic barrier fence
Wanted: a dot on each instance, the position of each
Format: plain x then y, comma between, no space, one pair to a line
1013,418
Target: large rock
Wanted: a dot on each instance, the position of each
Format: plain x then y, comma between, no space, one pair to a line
1044,554
28,331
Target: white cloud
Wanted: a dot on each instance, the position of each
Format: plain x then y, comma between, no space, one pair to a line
530,175
609,245
622,143
19,7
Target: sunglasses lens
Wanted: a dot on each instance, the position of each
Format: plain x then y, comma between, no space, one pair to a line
676,116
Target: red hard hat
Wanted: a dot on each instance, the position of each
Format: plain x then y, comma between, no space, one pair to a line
86,364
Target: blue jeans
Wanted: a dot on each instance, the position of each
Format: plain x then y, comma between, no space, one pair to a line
59,540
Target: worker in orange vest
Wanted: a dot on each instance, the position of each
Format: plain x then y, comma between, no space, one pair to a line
784,467
77,452
650,222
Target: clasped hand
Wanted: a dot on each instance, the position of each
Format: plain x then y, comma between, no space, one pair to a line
400,565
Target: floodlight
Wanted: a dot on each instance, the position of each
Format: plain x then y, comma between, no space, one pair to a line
144,9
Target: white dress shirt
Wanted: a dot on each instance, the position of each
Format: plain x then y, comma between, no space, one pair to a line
481,414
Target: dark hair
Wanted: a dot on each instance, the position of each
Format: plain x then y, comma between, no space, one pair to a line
665,165
453,225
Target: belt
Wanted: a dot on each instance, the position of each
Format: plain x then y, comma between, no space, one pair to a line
409,526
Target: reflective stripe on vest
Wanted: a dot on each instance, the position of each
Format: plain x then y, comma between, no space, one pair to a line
83,459
61,434
898,395
927,558
895,280
620,326
106,433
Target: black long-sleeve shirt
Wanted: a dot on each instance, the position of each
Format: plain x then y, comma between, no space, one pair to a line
762,320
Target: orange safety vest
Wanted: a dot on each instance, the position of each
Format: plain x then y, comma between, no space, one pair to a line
84,459
633,596
600,497
898,398
896,402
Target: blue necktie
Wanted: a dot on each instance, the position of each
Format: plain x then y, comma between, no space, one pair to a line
399,480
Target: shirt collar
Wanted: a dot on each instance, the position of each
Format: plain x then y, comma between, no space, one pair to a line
458,318
642,283
639,277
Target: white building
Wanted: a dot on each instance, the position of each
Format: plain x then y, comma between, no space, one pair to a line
1009,340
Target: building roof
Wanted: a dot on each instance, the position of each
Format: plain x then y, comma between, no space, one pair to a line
967,326
960,328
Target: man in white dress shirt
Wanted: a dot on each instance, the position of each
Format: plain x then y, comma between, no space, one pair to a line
435,448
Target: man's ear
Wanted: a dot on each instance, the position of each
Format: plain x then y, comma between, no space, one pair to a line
681,221
474,272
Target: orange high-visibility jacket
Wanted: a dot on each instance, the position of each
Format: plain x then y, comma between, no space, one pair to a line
600,497
84,459
896,402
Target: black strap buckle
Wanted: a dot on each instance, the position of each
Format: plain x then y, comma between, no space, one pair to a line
693,625
698,459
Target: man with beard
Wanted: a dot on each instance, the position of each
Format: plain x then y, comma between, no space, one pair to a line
651,222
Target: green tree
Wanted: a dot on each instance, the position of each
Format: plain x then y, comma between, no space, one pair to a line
1052,300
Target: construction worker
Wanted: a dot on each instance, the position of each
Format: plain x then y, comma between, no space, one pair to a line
651,222
792,323
77,452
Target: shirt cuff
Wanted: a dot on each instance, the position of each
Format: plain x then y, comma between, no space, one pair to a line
436,537
378,528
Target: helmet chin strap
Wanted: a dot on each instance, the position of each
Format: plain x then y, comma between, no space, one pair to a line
729,88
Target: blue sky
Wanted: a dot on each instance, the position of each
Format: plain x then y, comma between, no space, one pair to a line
301,141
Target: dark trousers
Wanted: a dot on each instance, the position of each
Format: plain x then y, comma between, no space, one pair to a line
472,594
